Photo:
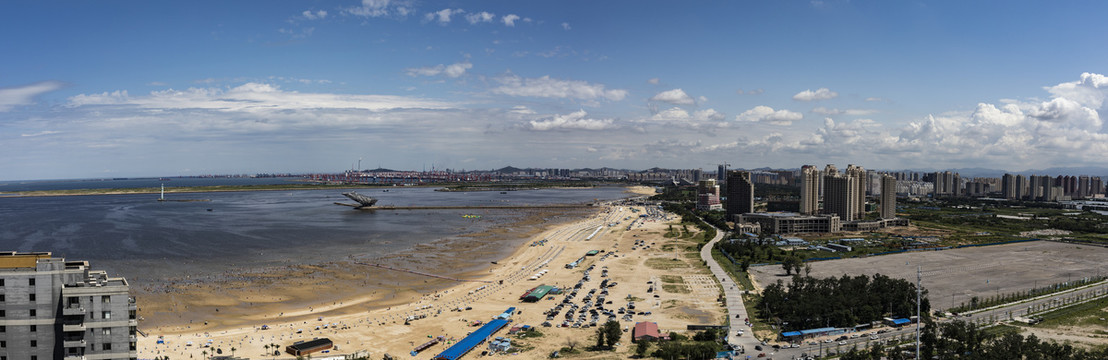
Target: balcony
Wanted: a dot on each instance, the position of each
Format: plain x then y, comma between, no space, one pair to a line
74,357
132,322
74,343
73,310
73,327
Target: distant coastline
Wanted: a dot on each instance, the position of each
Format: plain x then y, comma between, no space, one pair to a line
280,187
174,190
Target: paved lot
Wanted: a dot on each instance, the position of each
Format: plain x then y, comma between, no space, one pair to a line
955,276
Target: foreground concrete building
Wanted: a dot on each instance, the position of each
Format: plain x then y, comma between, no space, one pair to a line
56,309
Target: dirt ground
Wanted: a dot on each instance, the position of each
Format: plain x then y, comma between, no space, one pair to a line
375,322
955,276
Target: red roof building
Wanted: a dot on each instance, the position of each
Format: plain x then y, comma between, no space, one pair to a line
647,331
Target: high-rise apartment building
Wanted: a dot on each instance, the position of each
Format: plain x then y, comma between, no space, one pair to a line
1021,187
859,199
888,197
1008,186
56,309
740,193
721,175
839,196
809,190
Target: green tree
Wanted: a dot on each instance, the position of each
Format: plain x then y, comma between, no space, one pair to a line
599,338
642,348
612,333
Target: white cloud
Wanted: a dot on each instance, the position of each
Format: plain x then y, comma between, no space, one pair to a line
832,111
381,8
480,17
25,95
565,26
451,71
751,92
874,99
318,15
679,115
767,114
510,20
576,120
675,96
819,94
40,133
653,81
442,16
547,87
253,97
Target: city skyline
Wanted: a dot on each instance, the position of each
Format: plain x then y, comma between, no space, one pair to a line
160,89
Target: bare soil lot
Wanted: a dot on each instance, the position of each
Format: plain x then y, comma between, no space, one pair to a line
953,277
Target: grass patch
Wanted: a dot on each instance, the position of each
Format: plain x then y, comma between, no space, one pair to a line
667,247
673,279
1001,330
676,288
665,264
1088,313
737,275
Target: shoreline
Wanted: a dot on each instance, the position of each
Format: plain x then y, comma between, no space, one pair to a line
409,295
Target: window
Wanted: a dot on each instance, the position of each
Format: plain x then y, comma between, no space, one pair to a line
3,344
107,346
34,328
31,281
32,297
3,328
1,282
34,343
106,331
106,299
106,315
34,357
1,297
1,313
32,312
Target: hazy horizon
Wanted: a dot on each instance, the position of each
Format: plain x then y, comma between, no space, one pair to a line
184,89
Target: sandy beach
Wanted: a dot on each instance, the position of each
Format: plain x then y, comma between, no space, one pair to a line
363,308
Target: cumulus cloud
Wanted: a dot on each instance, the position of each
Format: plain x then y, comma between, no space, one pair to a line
480,17
695,119
547,87
318,15
510,20
576,120
442,16
380,8
675,96
565,26
24,95
653,81
762,113
819,94
451,71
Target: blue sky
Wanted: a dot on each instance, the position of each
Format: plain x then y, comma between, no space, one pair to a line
131,88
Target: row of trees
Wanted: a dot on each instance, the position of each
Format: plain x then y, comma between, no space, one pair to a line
963,340
808,303
753,251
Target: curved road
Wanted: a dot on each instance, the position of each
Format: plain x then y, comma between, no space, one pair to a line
735,308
